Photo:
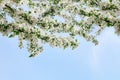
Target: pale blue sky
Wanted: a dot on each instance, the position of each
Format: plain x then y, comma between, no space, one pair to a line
87,62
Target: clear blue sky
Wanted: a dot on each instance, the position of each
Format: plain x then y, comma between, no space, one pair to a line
87,62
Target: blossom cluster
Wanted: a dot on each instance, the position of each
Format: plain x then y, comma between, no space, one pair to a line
35,21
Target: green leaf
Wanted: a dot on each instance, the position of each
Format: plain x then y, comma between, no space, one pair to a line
110,0
32,55
11,35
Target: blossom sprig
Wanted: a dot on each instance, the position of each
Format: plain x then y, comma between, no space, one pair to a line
37,24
